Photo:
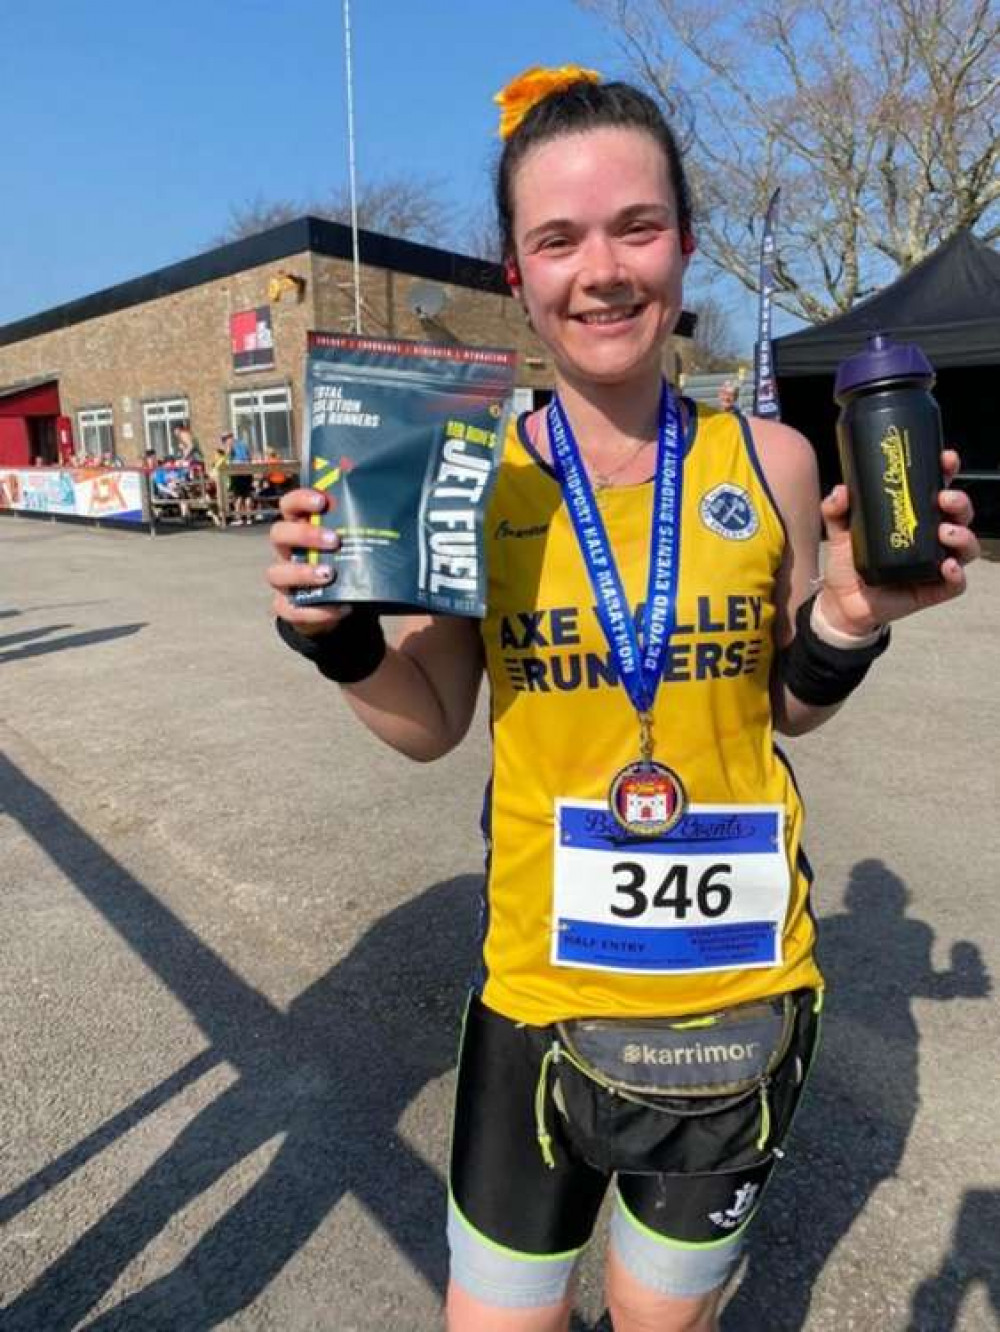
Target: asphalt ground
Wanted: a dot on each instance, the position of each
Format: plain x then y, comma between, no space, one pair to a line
236,934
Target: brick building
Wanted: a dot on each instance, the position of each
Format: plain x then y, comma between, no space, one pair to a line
219,340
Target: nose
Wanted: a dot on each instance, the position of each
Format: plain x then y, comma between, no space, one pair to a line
601,267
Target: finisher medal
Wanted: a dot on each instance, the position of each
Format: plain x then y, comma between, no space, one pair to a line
646,798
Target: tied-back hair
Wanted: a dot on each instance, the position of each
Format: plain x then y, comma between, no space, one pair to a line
581,107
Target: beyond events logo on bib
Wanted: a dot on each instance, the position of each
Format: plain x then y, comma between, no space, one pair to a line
728,511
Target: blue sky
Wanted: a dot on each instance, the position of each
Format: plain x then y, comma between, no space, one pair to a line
130,129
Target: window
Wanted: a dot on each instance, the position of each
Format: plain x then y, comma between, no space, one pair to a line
95,426
263,418
159,419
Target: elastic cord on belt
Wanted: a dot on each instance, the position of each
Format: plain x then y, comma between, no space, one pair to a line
765,1117
541,1089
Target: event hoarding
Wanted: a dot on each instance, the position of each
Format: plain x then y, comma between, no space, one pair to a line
79,492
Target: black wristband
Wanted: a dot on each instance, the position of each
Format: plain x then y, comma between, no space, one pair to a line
348,653
819,673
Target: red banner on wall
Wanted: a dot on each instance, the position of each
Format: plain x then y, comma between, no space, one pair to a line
252,339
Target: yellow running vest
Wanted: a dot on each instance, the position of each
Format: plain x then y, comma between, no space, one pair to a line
578,923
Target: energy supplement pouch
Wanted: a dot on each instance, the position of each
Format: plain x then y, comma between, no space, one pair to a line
404,439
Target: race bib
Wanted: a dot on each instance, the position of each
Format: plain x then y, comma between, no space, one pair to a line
710,895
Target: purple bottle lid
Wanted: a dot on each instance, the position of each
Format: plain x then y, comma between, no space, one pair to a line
882,359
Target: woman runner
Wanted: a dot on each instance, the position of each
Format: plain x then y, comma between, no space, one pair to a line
655,616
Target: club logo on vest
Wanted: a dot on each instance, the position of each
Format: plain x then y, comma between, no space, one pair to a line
728,511
742,1206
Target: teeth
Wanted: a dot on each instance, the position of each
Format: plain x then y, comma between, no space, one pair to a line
607,316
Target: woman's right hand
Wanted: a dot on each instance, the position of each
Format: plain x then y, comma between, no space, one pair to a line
292,532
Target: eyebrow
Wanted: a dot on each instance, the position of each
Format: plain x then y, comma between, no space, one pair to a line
626,215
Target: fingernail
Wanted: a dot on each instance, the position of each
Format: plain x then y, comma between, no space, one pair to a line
949,530
322,573
328,540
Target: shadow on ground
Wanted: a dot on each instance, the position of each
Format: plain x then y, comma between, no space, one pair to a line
28,643
851,1131
333,1075
973,1259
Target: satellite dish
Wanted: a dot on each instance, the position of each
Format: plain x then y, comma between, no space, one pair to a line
427,299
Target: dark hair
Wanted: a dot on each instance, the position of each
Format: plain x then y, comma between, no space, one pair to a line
581,107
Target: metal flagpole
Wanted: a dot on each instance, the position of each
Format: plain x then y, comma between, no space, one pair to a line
350,167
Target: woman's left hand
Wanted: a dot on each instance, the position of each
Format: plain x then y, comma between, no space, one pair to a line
849,604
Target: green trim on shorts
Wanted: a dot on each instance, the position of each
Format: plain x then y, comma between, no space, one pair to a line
643,1229
502,1248
454,1094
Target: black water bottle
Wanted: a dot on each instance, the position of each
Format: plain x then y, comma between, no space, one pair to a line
889,436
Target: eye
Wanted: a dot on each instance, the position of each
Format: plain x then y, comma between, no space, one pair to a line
641,229
557,241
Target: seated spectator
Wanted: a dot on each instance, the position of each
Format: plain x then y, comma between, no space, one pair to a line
276,481
169,482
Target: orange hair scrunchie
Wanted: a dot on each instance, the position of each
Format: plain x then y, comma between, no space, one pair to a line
529,88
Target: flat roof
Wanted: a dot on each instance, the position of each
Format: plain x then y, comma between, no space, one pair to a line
314,234
25,385
304,234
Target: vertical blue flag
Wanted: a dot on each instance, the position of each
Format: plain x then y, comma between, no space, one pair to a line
765,386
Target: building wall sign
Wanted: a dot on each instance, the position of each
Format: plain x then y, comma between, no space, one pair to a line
252,339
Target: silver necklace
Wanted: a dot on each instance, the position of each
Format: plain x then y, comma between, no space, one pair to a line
602,480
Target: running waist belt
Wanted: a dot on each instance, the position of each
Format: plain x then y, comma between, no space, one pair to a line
678,1095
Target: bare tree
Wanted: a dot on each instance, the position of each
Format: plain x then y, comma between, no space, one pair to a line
880,122
714,340
405,206
480,236
256,214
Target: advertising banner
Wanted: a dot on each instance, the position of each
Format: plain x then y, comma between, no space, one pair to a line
765,388
83,492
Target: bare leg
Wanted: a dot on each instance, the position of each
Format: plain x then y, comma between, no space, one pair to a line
464,1313
636,1308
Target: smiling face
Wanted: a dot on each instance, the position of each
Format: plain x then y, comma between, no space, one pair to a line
598,244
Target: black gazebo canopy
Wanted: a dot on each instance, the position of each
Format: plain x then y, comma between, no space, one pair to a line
949,305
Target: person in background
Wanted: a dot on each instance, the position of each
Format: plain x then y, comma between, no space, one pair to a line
167,483
277,481
729,396
192,459
240,485
186,445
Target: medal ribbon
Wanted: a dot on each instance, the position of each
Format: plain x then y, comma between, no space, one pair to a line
639,653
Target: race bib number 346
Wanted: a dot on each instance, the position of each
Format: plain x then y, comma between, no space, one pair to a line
709,896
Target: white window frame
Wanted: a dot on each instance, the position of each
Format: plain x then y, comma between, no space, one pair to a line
167,411
101,420
257,405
